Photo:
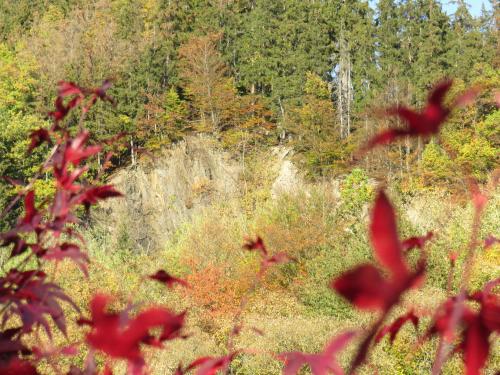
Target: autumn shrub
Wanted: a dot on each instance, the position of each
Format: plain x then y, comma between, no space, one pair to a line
356,191
436,165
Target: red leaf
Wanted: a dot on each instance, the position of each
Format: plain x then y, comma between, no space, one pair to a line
38,137
17,366
75,150
385,137
71,251
29,207
69,88
276,259
321,364
384,237
61,110
478,326
122,339
11,238
424,123
168,280
395,326
416,242
434,114
10,343
100,92
490,241
94,194
211,365
490,306
66,180
267,260
32,217
475,346
258,245
364,287
33,299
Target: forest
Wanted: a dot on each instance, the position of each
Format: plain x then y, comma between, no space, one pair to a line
322,82
254,73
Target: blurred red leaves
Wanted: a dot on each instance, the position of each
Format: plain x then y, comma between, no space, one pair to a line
267,260
426,122
209,365
120,337
321,364
17,366
26,295
395,326
30,297
38,137
365,286
416,242
165,278
477,326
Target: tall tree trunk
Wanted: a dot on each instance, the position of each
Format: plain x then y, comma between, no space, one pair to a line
344,87
132,152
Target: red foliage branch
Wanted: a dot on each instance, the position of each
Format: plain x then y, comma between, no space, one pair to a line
48,233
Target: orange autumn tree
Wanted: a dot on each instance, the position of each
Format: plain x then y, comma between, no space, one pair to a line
206,81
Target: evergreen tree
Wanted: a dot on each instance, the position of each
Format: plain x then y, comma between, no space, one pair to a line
464,42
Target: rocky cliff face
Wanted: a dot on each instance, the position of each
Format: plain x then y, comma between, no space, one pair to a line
163,193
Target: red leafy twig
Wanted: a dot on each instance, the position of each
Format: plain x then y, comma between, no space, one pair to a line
477,326
165,278
120,337
321,364
417,242
366,287
424,123
458,308
267,260
395,326
209,365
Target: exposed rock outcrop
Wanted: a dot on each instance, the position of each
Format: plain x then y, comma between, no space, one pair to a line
168,191
289,180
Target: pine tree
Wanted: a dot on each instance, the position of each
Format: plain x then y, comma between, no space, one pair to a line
464,42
